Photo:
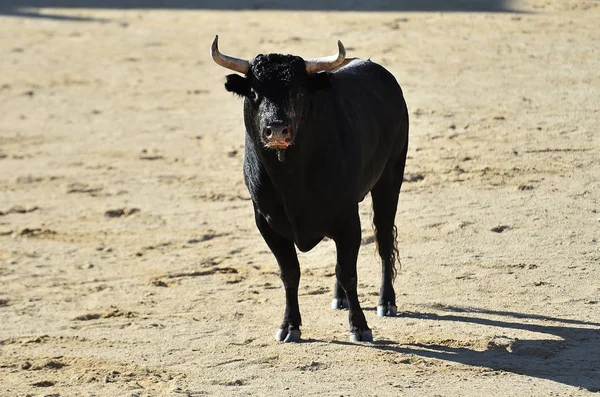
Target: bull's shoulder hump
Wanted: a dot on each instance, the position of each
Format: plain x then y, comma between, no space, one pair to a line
363,68
351,64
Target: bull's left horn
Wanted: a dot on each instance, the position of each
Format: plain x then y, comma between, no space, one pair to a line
235,64
316,65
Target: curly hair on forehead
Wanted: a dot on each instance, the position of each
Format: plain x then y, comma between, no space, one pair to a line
277,68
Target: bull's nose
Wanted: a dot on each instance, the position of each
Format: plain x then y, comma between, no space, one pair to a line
278,131
277,136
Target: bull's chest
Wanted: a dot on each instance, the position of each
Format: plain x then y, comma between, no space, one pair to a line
303,215
302,222
301,204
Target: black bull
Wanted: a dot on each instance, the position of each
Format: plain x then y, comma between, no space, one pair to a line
318,139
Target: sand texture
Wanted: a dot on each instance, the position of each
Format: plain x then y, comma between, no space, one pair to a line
130,264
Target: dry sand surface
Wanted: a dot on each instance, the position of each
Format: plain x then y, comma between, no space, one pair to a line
129,260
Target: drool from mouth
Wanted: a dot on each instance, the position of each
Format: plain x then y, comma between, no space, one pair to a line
278,144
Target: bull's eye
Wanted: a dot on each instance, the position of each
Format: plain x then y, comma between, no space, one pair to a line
253,95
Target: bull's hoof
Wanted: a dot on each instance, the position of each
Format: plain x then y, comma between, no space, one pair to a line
361,336
387,310
339,304
288,335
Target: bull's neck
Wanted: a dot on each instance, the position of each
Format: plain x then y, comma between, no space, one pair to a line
284,163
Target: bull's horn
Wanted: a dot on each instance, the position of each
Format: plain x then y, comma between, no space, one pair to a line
235,64
316,65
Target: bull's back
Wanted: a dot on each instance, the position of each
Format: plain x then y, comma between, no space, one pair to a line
372,119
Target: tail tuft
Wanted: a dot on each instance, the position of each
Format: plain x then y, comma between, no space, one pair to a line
394,254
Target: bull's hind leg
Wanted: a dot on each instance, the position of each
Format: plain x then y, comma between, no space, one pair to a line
285,253
385,201
339,301
347,241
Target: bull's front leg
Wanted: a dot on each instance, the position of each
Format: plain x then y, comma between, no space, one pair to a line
285,253
347,241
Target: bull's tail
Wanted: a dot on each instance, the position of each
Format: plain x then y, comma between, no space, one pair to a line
393,254
395,257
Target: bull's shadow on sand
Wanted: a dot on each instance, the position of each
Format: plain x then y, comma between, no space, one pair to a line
31,8
571,356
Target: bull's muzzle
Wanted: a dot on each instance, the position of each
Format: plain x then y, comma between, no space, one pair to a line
277,136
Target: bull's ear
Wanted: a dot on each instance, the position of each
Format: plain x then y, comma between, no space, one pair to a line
237,84
319,81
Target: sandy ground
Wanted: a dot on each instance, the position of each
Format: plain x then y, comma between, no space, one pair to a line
130,264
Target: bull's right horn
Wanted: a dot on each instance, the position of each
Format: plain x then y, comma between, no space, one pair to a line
235,64
316,65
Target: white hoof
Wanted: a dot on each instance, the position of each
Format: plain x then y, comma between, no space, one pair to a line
361,336
339,304
284,335
387,311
